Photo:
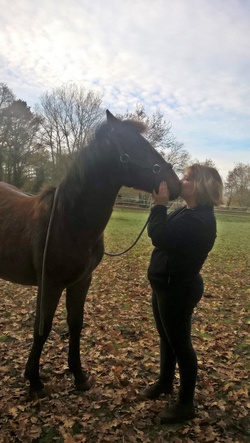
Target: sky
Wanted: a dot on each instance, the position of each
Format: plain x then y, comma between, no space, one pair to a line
187,59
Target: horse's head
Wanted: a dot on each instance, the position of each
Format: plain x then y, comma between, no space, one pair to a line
141,166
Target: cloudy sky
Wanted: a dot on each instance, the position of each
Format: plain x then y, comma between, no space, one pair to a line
189,59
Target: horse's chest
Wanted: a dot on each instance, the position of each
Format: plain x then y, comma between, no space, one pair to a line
75,259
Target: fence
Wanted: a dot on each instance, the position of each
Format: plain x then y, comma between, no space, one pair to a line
146,203
134,203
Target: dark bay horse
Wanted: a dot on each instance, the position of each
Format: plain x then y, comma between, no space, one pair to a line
54,240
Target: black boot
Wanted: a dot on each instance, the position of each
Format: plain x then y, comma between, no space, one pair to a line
154,391
177,413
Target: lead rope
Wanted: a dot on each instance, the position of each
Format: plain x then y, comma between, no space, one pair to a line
116,254
41,319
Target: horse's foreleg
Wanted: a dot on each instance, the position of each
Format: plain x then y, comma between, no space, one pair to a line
75,298
50,302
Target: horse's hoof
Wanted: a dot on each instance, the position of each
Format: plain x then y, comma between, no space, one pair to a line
37,394
83,386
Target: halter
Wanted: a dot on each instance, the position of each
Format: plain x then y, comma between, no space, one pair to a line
125,159
156,169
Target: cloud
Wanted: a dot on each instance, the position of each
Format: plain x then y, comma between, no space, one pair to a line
190,60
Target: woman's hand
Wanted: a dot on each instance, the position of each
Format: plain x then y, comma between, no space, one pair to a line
162,197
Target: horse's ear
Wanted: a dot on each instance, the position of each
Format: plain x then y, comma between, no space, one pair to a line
111,118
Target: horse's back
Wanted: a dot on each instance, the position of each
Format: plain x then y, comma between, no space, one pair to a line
17,211
10,195
15,207
6,187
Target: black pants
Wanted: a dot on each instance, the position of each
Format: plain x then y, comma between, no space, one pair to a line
173,304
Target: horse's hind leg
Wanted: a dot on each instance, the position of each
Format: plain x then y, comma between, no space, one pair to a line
50,302
75,298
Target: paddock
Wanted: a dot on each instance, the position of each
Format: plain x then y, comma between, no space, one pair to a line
121,348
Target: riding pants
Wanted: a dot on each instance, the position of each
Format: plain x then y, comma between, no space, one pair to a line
173,303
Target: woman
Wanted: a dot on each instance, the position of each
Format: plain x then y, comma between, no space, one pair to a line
182,241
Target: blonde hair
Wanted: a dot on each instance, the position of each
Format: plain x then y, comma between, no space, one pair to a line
208,185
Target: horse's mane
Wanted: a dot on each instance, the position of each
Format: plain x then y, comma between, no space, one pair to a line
136,125
101,132
131,125
46,194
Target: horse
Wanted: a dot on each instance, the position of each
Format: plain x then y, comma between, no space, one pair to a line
54,239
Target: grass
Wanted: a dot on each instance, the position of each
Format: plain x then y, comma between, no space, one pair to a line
232,243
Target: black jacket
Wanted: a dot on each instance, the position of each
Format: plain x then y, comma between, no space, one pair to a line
182,241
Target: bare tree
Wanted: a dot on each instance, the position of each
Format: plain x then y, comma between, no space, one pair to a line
157,129
177,156
208,162
18,131
237,185
69,115
6,96
160,136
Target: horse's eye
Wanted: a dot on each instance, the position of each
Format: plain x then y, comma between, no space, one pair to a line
156,169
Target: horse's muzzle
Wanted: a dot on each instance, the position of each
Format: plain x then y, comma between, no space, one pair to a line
173,182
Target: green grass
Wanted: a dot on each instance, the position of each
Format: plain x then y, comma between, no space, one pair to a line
232,243
123,229
232,246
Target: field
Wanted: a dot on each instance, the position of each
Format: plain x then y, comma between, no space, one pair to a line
120,350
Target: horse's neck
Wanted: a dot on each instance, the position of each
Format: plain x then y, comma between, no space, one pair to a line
89,190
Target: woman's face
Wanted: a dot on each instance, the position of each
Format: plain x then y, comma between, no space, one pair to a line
187,186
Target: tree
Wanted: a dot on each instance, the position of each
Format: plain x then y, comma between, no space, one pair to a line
6,98
18,140
237,185
157,129
160,136
69,115
208,162
177,156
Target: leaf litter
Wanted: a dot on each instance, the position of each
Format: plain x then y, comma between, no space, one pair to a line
120,352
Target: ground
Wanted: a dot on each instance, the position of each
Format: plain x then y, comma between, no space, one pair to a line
120,352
